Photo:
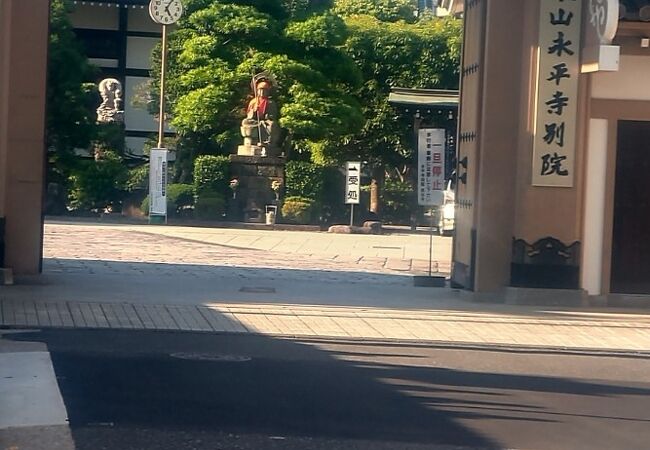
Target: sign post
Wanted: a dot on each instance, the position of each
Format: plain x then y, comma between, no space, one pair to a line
164,13
158,185
431,183
352,186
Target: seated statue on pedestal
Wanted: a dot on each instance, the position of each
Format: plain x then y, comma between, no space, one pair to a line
260,128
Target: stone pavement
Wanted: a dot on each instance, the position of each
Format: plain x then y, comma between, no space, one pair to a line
124,278
399,252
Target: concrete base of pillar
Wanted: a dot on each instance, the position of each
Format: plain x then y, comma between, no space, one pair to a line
546,297
6,277
531,297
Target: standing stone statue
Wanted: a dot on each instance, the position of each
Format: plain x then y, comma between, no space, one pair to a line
110,110
260,128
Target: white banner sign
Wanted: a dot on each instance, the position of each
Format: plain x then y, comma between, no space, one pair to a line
158,182
431,166
353,183
557,93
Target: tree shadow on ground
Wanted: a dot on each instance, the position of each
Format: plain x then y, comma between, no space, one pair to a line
277,387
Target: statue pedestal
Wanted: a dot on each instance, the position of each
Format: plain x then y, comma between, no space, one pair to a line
255,175
251,150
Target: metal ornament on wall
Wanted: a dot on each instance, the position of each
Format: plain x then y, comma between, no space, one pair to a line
547,263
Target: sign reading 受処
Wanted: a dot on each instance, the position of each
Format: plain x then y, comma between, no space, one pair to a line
557,93
431,166
353,183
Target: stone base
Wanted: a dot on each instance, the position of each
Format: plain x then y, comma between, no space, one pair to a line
367,228
6,277
251,150
426,281
254,194
530,297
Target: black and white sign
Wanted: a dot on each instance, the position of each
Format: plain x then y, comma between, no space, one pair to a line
431,166
158,182
353,183
557,93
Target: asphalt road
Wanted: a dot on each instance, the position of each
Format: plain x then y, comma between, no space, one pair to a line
158,390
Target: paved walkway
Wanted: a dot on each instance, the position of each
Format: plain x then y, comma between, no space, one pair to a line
555,329
128,278
398,251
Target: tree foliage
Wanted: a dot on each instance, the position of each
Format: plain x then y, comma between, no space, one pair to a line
424,55
70,122
219,45
384,10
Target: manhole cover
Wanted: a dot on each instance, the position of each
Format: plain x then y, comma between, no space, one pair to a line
211,357
258,290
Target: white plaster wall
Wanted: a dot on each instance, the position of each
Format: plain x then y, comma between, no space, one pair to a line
594,217
99,17
136,118
629,83
103,62
139,20
135,145
138,52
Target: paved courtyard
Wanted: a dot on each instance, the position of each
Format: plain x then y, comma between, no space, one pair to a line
284,284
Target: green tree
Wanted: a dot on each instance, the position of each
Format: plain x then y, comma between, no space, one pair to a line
219,45
70,118
384,10
425,54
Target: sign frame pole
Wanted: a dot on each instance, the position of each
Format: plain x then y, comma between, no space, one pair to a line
430,241
431,147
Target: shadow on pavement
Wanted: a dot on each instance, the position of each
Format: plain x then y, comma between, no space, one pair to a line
137,382
193,284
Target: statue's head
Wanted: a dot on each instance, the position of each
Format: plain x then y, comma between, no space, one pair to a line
263,89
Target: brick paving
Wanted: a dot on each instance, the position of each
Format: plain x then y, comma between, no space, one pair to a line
82,260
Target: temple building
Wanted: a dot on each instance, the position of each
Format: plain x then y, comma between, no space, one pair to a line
554,151
118,37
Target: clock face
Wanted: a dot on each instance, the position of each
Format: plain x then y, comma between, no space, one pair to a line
165,12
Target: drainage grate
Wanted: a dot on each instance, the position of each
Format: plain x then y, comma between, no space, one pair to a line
257,290
210,357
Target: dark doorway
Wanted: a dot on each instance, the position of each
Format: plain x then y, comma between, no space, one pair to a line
631,239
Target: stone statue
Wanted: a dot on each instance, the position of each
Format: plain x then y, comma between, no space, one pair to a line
260,128
110,110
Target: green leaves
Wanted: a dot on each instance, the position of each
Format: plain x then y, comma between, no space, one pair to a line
320,31
384,10
220,45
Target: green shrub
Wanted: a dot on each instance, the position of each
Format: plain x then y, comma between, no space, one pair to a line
144,206
98,184
179,198
210,206
304,179
138,178
297,210
396,199
211,173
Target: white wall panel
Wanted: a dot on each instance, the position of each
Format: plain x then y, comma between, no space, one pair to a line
629,83
138,52
139,20
101,17
136,118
